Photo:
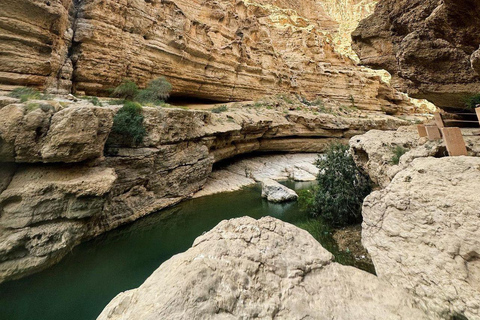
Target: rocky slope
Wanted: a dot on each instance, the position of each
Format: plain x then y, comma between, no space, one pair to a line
59,188
219,50
429,46
265,269
422,228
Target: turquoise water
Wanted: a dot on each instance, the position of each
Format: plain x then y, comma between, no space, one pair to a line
82,284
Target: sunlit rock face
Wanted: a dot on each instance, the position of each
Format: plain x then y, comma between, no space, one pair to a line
221,50
429,47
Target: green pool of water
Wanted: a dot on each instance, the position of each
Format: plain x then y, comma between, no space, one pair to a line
82,284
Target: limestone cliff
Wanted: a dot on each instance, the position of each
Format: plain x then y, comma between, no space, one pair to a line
58,187
219,50
429,47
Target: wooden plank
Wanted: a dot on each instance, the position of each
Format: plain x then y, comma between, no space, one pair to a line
477,110
454,141
422,132
439,120
433,133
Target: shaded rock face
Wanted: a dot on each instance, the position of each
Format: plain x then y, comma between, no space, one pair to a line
265,269
219,50
423,234
60,185
429,46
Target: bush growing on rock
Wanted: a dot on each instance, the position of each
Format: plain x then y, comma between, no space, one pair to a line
157,91
220,109
127,90
398,152
25,94
341,188
128,123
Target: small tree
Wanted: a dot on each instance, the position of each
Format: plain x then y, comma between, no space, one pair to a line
341,188
128,123
127,90
158,90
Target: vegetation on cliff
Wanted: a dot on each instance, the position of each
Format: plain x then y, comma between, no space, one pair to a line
156,92
128,123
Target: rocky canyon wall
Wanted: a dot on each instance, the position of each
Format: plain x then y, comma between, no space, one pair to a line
429,46
220,50
60,184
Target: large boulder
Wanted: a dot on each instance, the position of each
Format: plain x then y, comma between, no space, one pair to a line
276,192
265,269
423,234
43,132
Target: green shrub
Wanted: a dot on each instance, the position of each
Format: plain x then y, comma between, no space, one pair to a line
472,101
319,230
220,109
398,152
95,101
341,188
25,94
128,122
127,90
157,91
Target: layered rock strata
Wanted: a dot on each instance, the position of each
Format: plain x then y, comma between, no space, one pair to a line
59,188
429,46
265,269
220,50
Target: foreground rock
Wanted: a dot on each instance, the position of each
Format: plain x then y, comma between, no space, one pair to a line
423,234
275,192
430,47
265,269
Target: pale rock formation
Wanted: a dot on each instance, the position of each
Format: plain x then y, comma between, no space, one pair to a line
275,192
265,269
224,50
423,234
430,47
44,213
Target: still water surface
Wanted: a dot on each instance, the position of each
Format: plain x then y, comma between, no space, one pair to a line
82,284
